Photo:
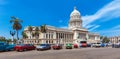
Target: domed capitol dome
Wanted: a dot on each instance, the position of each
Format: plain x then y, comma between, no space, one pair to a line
75,19
75,12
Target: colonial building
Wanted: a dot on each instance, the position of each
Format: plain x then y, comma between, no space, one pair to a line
115,39
74,34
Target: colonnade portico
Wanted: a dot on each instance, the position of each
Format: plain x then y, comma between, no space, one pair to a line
63,37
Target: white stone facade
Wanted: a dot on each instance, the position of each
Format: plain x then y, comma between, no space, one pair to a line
115,39
74,34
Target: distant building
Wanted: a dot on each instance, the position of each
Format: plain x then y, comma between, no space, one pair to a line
74,34
115,39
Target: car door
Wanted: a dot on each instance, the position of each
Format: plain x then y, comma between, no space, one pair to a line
2,46
32,47
29,46
47,46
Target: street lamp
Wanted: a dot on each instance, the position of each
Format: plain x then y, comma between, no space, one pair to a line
12,33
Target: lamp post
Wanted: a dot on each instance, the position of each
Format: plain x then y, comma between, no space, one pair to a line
12,33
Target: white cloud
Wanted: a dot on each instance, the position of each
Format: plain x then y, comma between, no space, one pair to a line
116,27
108,12
96,26
90,26
110,33
114,31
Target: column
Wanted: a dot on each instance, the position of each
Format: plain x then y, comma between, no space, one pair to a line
58,37
54,35
50,35
87,37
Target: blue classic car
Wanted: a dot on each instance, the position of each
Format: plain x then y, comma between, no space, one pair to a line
103,44
43,47
6,47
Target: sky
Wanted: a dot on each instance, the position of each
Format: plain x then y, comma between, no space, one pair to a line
101,16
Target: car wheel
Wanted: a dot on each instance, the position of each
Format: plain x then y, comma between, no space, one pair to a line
38,49
25,49
6,50
21,50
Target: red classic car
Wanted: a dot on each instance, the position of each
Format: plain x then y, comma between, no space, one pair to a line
57,46
75,45
24,47
83,44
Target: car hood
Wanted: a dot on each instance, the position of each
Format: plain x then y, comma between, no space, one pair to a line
40,46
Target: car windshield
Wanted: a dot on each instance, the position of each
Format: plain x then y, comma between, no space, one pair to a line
57,44
68,44
98,43
42,44
83,42
20,45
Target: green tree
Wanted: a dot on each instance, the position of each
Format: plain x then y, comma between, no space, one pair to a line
30,28
15,40
16,24
3,40
104,39
9,40
37,32
43,28
24,35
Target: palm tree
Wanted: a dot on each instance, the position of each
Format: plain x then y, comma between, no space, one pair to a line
33,34
16,24
36,32
24,35
43,29
30,28
37,29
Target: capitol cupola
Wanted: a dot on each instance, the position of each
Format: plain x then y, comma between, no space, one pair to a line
75,19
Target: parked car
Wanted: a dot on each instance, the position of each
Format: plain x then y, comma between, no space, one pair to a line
43,47
57,46
69,46
97,45
24,47
88,45
103,45
109,45
83,44
93,44
75,45
115,45
6,47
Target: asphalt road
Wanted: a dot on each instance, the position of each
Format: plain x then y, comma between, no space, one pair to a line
83,53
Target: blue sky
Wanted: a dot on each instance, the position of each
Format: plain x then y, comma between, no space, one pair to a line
102,16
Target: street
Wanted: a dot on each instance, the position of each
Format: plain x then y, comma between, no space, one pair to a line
81,53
